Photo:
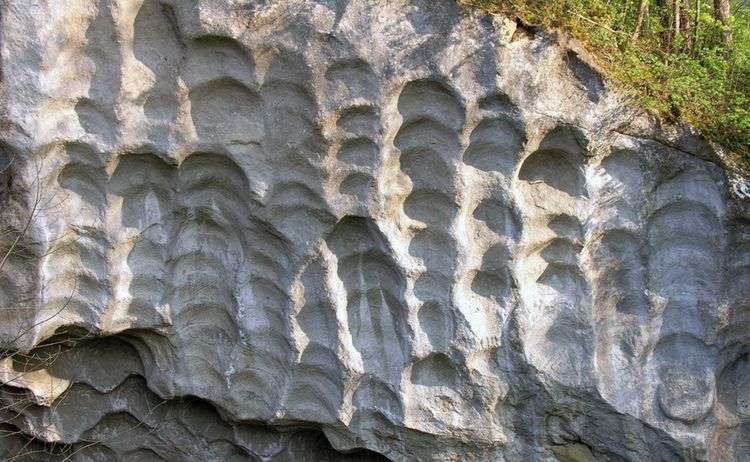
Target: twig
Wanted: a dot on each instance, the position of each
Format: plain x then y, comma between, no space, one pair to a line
600,25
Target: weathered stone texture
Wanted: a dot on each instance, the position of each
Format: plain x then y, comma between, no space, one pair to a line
354,230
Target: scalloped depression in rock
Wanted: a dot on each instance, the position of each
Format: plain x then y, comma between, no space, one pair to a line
354,230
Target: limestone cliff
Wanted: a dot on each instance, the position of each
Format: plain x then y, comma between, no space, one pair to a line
354,230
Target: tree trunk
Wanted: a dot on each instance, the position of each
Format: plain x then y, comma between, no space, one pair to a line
641,26
697,26
722,13
677,17
687,25
666,23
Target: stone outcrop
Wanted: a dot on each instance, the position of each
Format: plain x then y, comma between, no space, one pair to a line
354,230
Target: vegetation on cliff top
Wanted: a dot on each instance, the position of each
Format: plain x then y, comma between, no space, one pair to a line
689,59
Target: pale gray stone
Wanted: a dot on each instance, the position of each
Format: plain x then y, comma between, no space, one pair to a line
354,230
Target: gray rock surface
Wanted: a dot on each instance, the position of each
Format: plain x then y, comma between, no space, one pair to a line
354,230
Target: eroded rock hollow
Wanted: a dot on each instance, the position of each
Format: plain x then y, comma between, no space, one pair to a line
354,230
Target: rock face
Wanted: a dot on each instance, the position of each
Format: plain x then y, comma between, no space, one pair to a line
354,230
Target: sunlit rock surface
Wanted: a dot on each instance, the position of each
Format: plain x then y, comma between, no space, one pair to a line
354,230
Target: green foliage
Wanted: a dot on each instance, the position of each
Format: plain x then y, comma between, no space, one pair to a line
693,75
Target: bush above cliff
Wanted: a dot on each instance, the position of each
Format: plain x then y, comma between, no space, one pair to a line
687,60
